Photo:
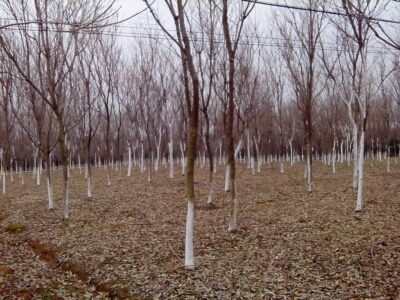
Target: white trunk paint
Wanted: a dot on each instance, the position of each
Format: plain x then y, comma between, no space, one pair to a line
189,254
34,167
65,212
157,158
86,170
79,164
171,160
388,160
220,152
89,187
50,194
248,149
199,159
120,170
334,159
4,181
210,194
234,204
182,146
291,152
171,154
11,173
107,166
256,142
227,175
361,174
141,158
355,156
112,158
129,161
310,182
237,149
38,175
341,151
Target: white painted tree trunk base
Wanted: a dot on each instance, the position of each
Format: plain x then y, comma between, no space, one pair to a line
360,174
37,176
89,187
129,162
210,195
4,183
388,163
232,221
189,253
65,211
50,194
227,174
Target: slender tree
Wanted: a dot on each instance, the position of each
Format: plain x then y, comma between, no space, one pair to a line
53,47
304,28
232,43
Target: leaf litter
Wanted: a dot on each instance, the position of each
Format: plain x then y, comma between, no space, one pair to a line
128,241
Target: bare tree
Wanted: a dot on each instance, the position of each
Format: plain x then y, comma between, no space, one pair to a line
192,100
232,33
53,47
88,114
7,118
301,34
206,50
106,71
355,33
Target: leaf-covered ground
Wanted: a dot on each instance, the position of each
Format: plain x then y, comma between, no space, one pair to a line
128,241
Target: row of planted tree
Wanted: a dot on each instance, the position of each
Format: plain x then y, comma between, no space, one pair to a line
79,87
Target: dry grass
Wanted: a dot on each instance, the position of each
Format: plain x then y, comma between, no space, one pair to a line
127,242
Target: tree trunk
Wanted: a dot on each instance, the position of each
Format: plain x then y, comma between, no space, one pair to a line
89,172
360,173
355,156
49,182
129,161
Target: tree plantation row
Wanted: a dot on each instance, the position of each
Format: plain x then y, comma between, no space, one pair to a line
289,242
320,80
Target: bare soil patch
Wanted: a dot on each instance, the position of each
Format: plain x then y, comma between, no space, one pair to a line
128,241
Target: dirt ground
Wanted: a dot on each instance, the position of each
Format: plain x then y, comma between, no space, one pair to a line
128,241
